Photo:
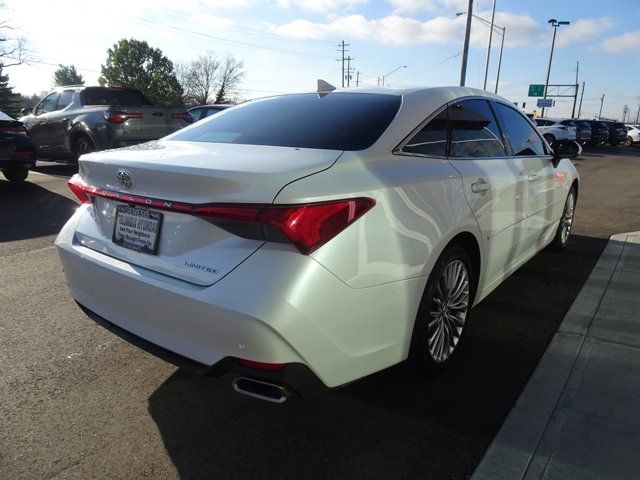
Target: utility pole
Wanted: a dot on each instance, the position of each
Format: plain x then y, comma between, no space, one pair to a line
349,58
638,115
358,78
625,110
581,96
575,96
504,29
486,67
343,48
601,103
465,49
555,24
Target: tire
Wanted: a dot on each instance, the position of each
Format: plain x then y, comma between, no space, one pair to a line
439,327
16,174
563,232
82,144
614,143
550,139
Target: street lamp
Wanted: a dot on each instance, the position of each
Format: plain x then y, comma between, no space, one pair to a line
392,71
555,24
500,31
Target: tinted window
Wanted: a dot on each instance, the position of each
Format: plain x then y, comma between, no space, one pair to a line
522,135
121,97
432,139
48,104
568,123
66,97
541,123
198,113
474,130
336,121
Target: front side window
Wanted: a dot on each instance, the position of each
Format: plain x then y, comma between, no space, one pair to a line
431,139
48,104
474,130
522,135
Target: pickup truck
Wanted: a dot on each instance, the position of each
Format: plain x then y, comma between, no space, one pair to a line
74,120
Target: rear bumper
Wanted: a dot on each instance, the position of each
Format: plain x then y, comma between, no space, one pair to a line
275,307
28,161
295,375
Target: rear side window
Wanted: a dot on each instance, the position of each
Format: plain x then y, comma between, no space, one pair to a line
198,114
431,139
335,121
66,97
119,97
522,135
48,104
474,130
568,123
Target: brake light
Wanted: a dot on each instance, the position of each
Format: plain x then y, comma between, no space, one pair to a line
307,226
120,117
78,188
18,153
184,116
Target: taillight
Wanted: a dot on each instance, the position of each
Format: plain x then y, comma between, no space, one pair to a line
183,116
271,367
22,153
307,225
120,117
14,129
77,187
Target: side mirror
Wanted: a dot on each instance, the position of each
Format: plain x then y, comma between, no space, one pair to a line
26,111
566,149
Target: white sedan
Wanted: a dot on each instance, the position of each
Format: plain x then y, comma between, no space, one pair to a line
304,241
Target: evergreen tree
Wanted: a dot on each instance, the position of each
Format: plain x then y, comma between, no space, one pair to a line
9,101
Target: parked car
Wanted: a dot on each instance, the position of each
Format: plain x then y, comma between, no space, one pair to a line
633,134
74,120
617,133
553,129
17,152
286,243
204,111
583,131
599,132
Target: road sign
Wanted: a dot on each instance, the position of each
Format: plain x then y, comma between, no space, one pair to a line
545,102
536,90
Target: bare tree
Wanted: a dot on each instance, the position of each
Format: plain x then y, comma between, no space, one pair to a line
230,77
13,48
207,80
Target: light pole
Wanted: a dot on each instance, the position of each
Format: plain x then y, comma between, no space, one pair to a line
465,48
392,71
497,29
555,24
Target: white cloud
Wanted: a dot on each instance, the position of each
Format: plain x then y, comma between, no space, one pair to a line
626,43
402,30
321,6
393,29
582,30
228,4
412,6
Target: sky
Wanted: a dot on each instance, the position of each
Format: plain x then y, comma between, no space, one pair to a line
286,45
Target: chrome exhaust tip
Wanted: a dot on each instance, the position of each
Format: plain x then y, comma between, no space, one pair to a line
269,392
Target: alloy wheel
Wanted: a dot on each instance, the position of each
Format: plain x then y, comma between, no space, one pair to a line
449,309
567,218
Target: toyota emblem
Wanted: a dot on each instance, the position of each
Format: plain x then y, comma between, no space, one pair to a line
124,178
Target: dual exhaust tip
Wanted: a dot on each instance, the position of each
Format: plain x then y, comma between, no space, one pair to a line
261,390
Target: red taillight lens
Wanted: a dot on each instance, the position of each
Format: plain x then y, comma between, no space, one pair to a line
78,187
14,129
310,226
184,116
23,153
120,117
260,365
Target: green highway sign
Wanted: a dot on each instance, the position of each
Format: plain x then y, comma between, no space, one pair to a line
536,90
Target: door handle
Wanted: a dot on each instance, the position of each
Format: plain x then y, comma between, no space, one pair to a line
533,178
480,186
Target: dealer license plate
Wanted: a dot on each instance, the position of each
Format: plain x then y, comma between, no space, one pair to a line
137,229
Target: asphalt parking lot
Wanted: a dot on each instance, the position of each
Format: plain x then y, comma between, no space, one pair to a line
77,402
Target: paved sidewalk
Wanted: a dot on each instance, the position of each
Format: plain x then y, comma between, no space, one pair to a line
579,415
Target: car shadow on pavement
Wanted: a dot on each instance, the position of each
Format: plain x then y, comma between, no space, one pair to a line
398,423
59,169
28,211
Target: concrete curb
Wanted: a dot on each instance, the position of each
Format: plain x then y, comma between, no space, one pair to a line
527,440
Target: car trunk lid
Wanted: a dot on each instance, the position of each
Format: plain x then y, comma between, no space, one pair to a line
165,177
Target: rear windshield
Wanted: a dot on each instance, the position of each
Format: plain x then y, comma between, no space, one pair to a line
335,121
582,124
120,97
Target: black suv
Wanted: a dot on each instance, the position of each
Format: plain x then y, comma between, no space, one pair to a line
599,132
583,131
617,133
